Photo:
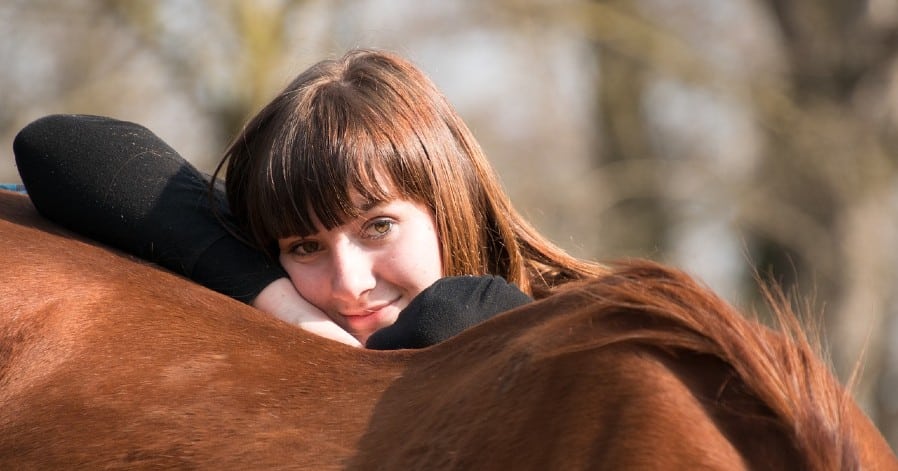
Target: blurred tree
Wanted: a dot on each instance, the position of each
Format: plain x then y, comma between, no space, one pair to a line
250,46
833,160
809,184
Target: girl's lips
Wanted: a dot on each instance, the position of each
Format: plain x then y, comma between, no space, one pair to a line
364,312
370,319
369,310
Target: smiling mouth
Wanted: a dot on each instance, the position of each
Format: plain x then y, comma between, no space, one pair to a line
362,313
368,311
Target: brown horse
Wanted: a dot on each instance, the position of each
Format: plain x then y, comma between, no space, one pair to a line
107,362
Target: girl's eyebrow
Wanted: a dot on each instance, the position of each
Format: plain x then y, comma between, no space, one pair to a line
369,205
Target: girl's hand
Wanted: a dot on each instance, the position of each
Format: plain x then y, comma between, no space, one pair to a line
281,300
447,307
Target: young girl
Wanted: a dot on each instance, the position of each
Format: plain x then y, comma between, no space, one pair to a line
359,178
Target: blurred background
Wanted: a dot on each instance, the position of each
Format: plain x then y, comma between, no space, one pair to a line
737,139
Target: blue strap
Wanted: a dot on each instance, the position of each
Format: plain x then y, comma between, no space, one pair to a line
12,187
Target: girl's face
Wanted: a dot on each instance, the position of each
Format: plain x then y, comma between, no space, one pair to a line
363,273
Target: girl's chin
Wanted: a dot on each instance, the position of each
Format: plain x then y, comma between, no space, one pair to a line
361,327
362,338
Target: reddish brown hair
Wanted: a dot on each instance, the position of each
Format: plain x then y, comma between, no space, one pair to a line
343,122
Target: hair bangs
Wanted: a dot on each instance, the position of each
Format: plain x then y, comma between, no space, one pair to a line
323,175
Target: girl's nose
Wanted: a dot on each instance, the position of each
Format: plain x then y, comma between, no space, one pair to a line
353,274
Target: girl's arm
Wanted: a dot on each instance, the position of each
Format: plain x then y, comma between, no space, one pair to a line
118,183
446,308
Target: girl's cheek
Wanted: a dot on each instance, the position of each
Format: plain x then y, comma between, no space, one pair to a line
310,287
302,278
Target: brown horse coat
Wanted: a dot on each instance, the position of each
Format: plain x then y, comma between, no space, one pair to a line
107,362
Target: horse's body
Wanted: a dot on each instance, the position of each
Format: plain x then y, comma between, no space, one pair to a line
106,362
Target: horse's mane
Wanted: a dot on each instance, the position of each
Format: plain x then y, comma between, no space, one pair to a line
657,307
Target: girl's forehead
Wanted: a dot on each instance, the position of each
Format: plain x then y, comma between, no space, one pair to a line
324,205
405,210
371,188
364,203
362,196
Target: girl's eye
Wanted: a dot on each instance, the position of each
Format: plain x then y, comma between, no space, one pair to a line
306,247
378,228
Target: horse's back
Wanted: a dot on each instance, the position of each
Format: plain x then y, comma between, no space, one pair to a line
109,362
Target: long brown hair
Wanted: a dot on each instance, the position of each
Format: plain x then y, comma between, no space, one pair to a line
352,122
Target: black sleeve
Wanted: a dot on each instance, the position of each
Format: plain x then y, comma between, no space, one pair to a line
118,183
447,307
